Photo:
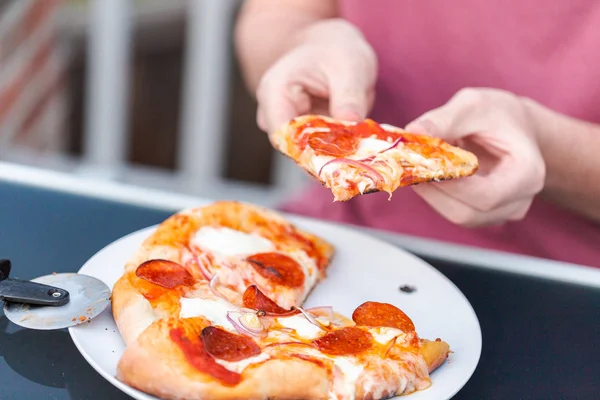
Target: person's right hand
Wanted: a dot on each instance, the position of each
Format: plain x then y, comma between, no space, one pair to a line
330,71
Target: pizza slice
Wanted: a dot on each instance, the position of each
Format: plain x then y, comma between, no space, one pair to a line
228,244
354,158
233,326
309,354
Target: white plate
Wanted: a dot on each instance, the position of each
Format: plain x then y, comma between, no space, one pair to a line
364,269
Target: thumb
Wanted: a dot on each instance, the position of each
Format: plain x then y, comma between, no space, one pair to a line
424,126
348,97
447,121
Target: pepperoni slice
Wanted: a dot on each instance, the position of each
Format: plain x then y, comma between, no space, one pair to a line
257,300
372,313
302,138
197,356
369,128
164,273
278,268
228,346
338,142
342,140
346,341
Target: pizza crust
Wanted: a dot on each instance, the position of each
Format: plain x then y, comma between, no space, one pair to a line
131,311
174,378
282,378
405,167
435,352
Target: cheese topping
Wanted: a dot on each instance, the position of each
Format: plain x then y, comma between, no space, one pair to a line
368,147
383,335
213,310
417,159
142,317
389,127
345,387
239,366
309,268
300,324
229,242
319,161
313,129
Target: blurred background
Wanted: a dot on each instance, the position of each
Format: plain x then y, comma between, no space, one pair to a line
146,92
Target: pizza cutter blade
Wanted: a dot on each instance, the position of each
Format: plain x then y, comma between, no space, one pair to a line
54,301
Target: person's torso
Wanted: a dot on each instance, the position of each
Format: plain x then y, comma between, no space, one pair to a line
428,50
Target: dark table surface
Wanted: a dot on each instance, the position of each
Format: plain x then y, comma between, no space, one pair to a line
541,338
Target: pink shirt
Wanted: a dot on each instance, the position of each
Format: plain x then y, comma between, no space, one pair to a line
428,50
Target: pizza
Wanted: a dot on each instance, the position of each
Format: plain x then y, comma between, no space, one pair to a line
355,158
210,306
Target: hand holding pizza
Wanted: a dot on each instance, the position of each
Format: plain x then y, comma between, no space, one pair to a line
330,70
498,127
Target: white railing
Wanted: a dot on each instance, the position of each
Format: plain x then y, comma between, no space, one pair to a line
108,49
208,60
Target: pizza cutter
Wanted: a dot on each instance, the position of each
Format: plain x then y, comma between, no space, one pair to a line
54,301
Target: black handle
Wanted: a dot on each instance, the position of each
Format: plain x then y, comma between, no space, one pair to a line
4,269
28,292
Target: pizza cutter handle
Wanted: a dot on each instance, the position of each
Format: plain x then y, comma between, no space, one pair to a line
19,291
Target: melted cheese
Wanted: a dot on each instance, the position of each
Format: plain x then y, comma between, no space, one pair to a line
313,129
368,147
213,310
383,335
239,366
319,161
389,127
229,242
300,324
363,185
310,270
141,317
345,386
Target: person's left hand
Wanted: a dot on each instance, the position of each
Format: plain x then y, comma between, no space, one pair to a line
497,127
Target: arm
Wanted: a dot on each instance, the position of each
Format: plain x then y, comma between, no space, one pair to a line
571,151
268,28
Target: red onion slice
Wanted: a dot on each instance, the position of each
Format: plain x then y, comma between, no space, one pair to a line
398,141
213,287
325,311
246,327
282,315
310,318
372,173
367,159
202,265
390,345
384,164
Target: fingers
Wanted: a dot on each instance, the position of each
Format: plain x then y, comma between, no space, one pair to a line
280,101
512,168
344,78
454,119
282,98
348,96
510,179
464,214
